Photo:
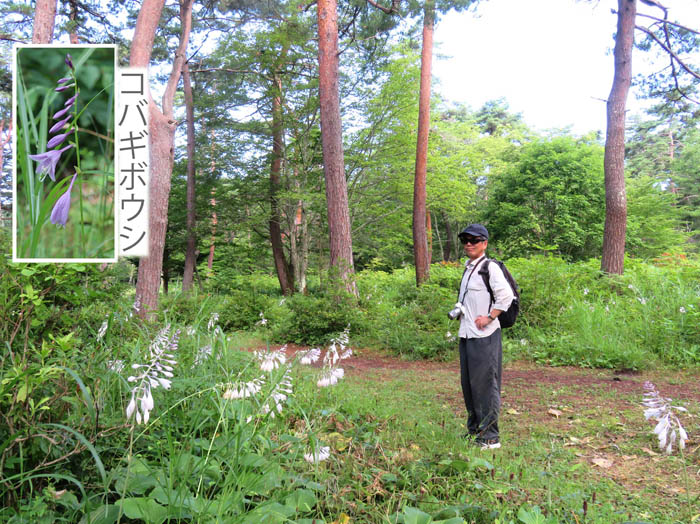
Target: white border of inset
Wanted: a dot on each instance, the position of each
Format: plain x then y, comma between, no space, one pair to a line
15,259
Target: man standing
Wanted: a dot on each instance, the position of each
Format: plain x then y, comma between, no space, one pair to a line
480,350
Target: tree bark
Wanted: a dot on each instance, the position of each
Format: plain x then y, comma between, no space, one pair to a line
332,144
615,197
420,236
214,221
191,251
44,20
447,249
73,18
284,273
162,134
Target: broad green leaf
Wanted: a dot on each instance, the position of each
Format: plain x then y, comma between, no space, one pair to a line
301,500
143,508
416,516
104,515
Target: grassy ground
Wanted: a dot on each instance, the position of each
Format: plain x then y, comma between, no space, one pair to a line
576,447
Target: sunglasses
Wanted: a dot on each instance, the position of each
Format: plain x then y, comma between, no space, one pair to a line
471,240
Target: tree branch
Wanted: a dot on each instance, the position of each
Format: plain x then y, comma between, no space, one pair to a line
669,23
388,10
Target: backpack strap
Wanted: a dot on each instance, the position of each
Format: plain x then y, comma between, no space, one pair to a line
486,276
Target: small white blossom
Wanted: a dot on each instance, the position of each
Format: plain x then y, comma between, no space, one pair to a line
682,309
103,330
585,291
318,455
642,300
190,331
213,319
449,336
330,377
263,320
271,360
523,342
279,394
157,373
115,365
244,390
309,356
630,286
202,355
668,428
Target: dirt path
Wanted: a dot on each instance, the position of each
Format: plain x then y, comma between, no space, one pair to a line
519,377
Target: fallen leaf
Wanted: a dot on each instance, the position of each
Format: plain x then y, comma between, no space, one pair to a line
513,411
602,463
575,421
554,412
649,452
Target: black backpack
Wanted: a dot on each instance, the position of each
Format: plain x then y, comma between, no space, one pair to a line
506,318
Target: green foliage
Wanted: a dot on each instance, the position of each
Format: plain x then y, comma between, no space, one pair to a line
550,200
313,320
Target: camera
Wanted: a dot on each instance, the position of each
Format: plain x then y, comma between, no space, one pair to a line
455,312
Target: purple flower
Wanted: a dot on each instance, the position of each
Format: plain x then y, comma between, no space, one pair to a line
62,112
47,161
59,125
64,80
63,88
58,139
70,101
69,61
59,214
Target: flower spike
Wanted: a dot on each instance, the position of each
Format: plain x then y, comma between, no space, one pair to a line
69,61
59,214
62,112
57,140
59,125
47,161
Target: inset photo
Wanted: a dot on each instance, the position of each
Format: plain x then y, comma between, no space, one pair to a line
64,183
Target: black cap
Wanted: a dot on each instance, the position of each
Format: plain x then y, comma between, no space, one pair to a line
475,230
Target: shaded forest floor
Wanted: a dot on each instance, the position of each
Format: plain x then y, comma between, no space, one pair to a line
590,419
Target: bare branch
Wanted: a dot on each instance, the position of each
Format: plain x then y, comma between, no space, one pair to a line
669,23
388,10
669,51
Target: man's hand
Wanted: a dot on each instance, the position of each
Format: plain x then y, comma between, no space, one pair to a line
482,321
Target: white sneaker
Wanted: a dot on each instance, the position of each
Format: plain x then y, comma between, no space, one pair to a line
490,444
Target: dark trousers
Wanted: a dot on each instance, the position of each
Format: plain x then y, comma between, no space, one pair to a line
480,362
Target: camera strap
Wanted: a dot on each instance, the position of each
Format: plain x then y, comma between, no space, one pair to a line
466,286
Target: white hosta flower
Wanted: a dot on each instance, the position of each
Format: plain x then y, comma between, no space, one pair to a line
318,455
157,373
585,291
213,320
523,342
309,356
449,336
682,309
642,300
330,377
103,330
273,359
115,365
244,390
263,320
202,355
190,331
668,428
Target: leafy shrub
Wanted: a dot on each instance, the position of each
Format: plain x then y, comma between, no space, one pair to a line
314,320
241,309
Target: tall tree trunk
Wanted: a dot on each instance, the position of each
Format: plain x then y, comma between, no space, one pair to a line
420,236
162,134
44,20
447,249
210,260
613,258
191,251
73,18
284,273
332,144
